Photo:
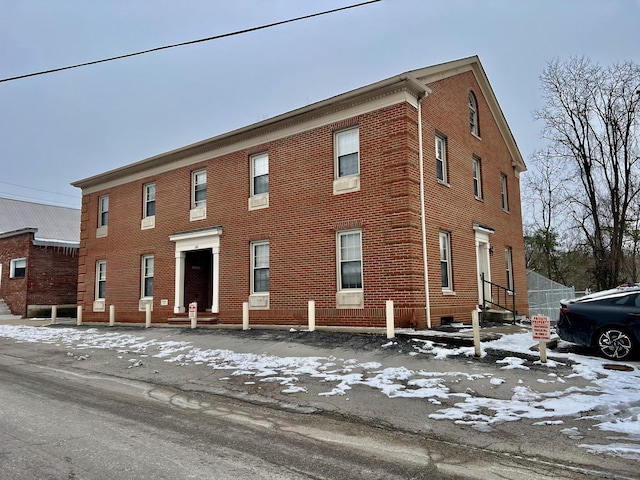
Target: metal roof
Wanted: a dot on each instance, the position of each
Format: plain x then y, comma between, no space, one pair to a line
53,224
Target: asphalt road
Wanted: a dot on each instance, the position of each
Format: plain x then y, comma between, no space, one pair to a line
59,420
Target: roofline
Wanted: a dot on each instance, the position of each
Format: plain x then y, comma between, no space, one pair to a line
309,112
415,82
20,231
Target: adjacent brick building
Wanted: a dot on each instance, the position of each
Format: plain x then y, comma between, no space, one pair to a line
406,189
38,256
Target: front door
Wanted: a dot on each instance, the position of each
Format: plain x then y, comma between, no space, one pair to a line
198,280
483,263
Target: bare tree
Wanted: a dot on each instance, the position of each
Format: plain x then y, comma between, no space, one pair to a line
591,117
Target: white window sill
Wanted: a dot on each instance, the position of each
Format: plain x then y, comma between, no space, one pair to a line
198,213
259,201
448,293
99,305
476,135
259,301
148,222
347,184
444,184
350,299
102,231
144,301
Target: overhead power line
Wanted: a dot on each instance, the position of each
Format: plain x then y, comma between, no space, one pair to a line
191,42
38,189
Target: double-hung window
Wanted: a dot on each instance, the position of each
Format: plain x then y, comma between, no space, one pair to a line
441,158
259,174
477,178
503,192
508,259
350,260
260,267
18,268
473,114
199,189
101,280
147,275
347,152
149,200
103,216
445,261
259,165
346,161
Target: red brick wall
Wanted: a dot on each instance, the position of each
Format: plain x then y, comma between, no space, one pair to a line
14,290
50,279
303,217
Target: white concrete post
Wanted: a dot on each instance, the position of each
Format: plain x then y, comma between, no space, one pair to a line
476,332
390,320
312,315
543,351
245,315
79,315
147,315
112,315
54,314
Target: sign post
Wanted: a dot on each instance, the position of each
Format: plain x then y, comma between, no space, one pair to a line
193,314
541,329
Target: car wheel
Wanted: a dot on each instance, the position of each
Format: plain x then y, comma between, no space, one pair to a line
615,344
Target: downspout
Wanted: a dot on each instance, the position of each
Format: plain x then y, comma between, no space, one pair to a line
422,216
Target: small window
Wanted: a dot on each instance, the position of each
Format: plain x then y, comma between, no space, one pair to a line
260,267
18,268
149,200
147,275
347,147
350,260
445,260
503,192
509,266
259,174
199,189
103,211
477,178
473,114
441,158
101,279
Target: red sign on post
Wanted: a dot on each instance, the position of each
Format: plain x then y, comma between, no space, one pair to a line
541,328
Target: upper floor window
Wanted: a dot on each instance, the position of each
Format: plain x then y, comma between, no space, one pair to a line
477,178
199,189
503,192
445,261
103,211
101,279
149,200
18,268
147,275
260,267
259,174
508,258
473,114
441,158
349,260
347,148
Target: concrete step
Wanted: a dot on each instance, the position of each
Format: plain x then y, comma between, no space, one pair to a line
5,313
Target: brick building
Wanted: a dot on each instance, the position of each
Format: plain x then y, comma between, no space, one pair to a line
38,256
406,189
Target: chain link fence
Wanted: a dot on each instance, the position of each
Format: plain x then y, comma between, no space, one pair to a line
545,295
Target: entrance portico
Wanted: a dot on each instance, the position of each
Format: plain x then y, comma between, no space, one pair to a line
194,240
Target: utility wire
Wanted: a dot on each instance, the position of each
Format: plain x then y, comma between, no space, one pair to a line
38,189
253,29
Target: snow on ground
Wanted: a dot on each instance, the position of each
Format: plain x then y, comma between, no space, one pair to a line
610,397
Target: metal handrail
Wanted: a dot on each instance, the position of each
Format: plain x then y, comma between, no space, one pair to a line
502,293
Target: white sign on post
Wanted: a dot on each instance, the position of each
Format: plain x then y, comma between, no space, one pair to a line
541,328
193,310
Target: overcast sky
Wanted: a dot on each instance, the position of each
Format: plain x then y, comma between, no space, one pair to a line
70,125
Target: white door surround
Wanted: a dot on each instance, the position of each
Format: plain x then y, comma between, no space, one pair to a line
208,238
482,258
